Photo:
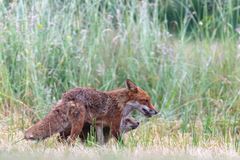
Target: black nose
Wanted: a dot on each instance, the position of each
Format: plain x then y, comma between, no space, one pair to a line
153,112
135,126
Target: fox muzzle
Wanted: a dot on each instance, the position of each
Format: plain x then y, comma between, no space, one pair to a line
153,112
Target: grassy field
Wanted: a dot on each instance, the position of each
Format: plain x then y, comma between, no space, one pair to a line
184,53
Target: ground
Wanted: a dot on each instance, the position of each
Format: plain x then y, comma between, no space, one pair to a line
154,139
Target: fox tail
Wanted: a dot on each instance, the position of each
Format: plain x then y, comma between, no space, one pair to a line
54,122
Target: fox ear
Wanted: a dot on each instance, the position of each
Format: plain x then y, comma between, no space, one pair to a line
131,86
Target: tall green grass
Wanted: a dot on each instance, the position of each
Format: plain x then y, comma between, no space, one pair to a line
184,53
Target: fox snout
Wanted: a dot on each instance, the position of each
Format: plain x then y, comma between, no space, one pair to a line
149,112
28,136
153,112
135,125
33,134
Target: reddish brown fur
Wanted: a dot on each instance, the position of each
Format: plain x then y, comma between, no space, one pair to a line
103,108
62,116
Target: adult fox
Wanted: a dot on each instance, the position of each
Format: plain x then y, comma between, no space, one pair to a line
103,108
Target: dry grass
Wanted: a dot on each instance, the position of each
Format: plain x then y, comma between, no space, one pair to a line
81,152
154,139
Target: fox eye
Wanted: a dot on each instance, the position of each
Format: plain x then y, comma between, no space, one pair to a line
127,120
145,101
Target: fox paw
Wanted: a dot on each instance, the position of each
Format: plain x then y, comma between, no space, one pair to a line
70,141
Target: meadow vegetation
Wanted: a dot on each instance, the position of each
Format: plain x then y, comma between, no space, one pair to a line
184,53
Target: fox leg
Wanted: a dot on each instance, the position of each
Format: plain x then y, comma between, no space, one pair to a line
118,137
76,115
100,135
85,132
62,137
116,134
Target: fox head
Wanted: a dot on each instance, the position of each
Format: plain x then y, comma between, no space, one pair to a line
139,99
128,124
36,133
